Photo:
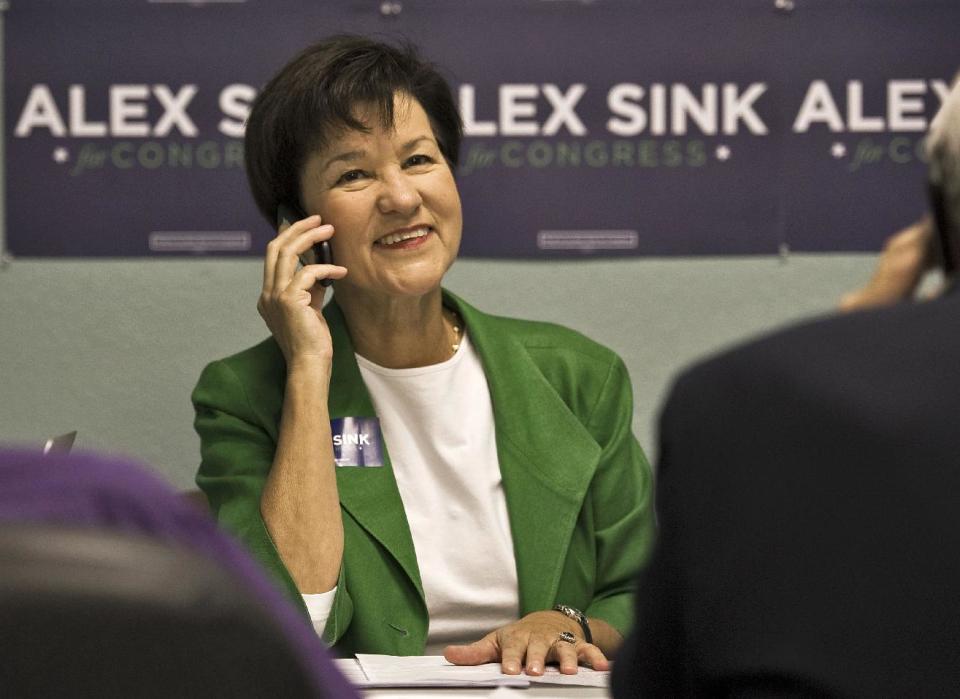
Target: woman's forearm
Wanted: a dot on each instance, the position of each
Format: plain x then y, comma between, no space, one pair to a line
300,505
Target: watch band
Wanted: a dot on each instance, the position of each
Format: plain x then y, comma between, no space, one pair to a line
578,617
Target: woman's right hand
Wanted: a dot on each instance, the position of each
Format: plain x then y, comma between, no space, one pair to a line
300,497
291,300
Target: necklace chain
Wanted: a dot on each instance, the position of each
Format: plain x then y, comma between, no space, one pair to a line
457,331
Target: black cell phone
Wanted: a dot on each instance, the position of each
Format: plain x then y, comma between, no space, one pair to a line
948,232
320,253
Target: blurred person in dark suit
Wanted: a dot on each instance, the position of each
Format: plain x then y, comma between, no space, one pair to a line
807,496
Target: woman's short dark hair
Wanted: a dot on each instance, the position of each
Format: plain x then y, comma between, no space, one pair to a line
316,95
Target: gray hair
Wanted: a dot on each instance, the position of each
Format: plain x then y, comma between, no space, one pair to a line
943,152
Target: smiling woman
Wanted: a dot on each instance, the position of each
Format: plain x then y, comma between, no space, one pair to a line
420,475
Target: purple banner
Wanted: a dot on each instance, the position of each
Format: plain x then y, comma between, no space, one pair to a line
594,127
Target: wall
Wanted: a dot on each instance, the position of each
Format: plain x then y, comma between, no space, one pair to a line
113,348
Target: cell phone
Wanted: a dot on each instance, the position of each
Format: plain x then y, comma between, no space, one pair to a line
948,232
321,253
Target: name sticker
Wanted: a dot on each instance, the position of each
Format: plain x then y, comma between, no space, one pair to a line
356,441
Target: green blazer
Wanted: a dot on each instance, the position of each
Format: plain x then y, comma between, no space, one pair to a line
577,485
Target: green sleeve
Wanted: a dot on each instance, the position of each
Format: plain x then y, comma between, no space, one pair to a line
237,446
622,500
340,614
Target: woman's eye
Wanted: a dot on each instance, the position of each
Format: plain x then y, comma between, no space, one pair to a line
350,176
418,159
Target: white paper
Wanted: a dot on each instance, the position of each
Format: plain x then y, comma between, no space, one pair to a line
434,671
350,668
585,677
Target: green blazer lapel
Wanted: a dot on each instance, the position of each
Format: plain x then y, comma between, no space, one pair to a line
369,494
547,457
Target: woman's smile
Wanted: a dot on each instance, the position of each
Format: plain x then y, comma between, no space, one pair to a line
409,238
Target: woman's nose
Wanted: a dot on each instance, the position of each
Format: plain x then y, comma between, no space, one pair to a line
399,195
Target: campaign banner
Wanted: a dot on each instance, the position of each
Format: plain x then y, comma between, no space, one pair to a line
592,127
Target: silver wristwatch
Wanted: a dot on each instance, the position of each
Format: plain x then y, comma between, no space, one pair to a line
578,617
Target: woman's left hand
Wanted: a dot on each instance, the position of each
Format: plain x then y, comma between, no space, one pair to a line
530,644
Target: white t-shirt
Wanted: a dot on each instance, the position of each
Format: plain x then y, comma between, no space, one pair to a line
437,422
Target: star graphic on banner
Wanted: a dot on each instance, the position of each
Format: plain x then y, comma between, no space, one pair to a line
723,152
838,150
61,155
